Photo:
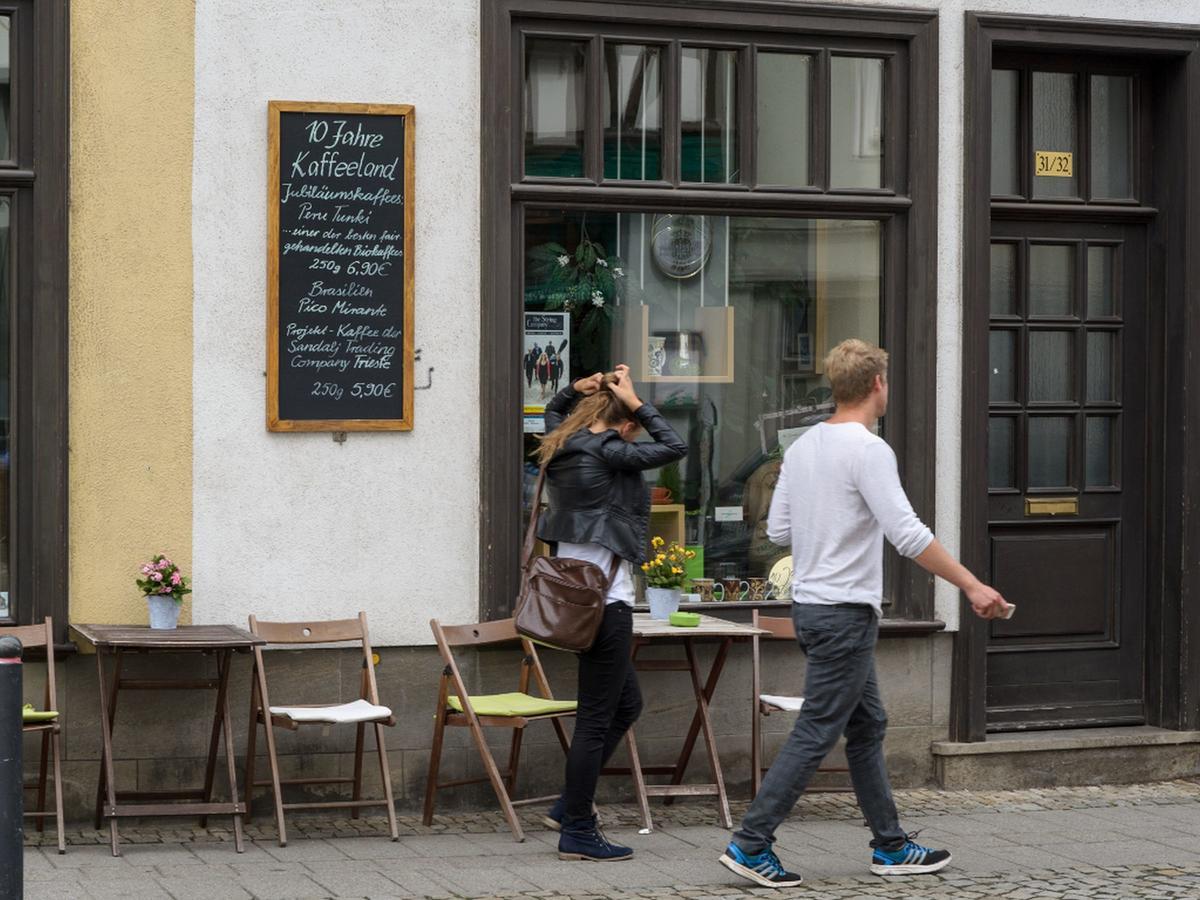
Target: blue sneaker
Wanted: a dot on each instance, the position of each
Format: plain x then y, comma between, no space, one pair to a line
553,819
584,840
761,868
911,859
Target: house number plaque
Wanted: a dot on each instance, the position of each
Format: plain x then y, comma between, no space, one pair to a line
1052,164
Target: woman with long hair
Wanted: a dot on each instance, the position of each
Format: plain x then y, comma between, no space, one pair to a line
599,511
543,372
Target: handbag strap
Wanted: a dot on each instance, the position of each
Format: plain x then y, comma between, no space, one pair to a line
534,514
531,531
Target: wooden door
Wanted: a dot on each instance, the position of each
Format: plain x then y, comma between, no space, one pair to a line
1067,418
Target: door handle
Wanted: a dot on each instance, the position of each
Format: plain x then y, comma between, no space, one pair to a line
1051,506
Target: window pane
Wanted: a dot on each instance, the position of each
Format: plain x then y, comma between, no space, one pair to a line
856,122
783,111
1100,287
1101,366
5,412
1002,456
1049,451
1111,127
5,101
725,322
1051,279
1002,384
633,111
1006,131
1004,279
1054,130
1051,367
555,107
1100,451
708,112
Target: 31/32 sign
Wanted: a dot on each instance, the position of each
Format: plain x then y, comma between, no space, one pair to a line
1052,164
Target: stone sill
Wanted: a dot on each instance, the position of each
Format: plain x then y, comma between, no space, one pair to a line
887,627
1067,739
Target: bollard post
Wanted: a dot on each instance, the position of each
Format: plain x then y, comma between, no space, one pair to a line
12,775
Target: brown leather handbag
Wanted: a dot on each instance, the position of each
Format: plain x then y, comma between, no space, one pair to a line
561,602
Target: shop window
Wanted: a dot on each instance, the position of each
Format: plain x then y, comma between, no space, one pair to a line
33,314
669,203
725,321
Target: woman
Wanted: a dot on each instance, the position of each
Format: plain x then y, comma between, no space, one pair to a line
543,372
599,507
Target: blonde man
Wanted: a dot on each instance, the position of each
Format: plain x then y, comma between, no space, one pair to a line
838,497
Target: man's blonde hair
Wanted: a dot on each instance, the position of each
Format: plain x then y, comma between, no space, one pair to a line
851,367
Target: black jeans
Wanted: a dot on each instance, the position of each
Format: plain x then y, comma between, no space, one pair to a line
609,703
841,696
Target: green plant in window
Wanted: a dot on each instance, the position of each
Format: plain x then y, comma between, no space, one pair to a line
585,282
668,477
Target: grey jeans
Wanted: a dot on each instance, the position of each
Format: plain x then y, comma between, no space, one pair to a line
840,696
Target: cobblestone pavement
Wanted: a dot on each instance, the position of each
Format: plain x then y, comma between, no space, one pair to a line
1134,841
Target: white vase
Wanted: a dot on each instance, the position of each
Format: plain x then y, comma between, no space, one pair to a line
657,355
164,611
663,601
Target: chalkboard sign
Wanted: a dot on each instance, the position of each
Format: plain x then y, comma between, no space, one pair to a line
339,267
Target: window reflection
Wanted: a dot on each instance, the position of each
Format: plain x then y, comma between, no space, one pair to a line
633,110
555,107
725,322
708,113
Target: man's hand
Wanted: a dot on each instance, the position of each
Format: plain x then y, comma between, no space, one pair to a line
986,601
589,385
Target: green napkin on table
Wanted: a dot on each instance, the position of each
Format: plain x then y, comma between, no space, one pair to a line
29,714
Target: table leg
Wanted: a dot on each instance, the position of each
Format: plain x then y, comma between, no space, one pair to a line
210,767
108,709
710,687
710,739
639,780
223,706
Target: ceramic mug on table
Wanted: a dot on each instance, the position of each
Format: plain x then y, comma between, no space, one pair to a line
757,590
734,588
704,587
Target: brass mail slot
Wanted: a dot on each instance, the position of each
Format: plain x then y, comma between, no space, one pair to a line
1051,506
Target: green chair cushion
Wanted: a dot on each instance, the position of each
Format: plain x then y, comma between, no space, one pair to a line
514,704
29,714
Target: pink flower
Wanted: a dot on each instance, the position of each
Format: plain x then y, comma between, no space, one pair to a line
156,576
162,564
164,589
176,578
146,570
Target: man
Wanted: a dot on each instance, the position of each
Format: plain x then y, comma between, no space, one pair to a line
838,496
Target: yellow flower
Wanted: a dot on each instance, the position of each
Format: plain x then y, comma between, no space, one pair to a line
656,542
645,567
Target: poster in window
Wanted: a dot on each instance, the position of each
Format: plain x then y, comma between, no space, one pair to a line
545,361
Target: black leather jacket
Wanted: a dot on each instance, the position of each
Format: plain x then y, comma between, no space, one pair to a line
594,483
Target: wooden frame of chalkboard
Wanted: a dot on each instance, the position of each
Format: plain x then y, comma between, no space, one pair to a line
339,225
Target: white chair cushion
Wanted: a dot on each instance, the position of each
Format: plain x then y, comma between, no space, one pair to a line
356,711
787,704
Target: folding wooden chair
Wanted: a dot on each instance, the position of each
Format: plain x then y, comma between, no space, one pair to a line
780,628
516,711
360,713
44,722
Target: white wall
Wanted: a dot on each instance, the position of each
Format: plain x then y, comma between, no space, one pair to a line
294,526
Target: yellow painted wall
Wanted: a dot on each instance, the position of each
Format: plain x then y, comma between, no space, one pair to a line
132,92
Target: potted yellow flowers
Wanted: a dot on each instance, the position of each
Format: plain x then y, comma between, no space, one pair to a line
665,572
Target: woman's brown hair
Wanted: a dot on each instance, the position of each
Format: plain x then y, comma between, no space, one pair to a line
603,406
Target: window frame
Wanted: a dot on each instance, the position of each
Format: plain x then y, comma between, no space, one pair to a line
905,206
36,178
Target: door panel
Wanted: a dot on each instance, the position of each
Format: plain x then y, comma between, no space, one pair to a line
1067,450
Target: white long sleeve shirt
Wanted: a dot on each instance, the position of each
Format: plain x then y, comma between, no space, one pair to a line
838,496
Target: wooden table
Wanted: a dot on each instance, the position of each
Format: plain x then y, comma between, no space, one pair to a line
647,632
117,640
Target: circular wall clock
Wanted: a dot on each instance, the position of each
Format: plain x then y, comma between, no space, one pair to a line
680,244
